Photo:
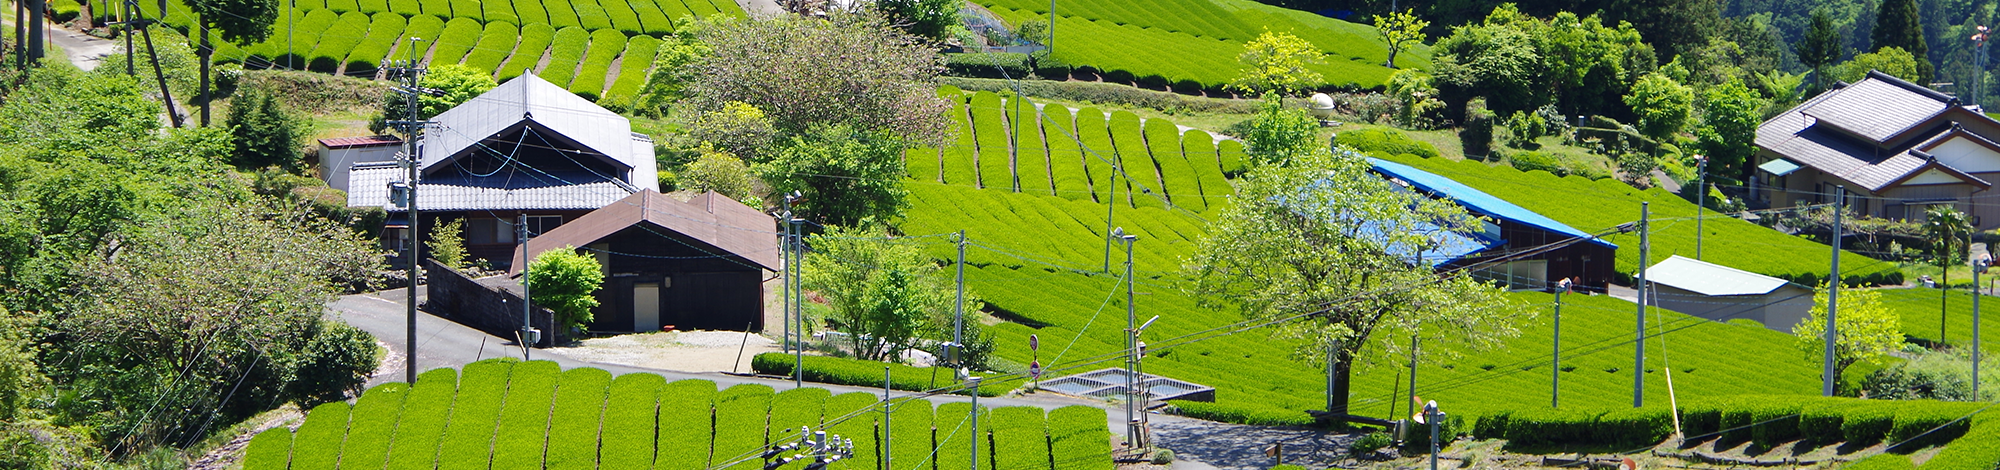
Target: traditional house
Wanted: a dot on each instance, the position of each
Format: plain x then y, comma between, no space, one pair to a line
339,154
1896,147
693,263
1508,229
1722,293
526,147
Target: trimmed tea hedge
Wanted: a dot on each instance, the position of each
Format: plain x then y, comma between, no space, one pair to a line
1242,413
1077,437
501,12
1235,159
793,410
495,44
374,419
407,8
1980,448
425,411
989,126
1020,438
1031,166
1141,177
1181,181
437,8
1199,148
561,14
301,38
741,419
1095,136
630,418
317,445
368,55
468,9
425,27
1387,141
468,440
590,15
652,19
1066,158
911,428
955,435
337,42
605,45
535,40
687,420
531,12
343,6
524,420
372,7
459,36
566,51
623,16
638,57
961,158
572,428
862,410
843,371
270,450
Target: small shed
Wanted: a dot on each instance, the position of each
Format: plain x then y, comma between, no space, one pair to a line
1723,293
338,155
1508,231
692,262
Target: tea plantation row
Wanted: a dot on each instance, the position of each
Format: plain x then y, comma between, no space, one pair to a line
631,17
505,414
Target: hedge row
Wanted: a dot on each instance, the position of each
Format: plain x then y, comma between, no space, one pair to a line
425,411
495,44
1387,141
1198,17
572,431
1766,421
652,18
468,9
1077,437
437,8
687,420
638,57
591,15
502,12
1199,147
368,55
630,414
989,127
300,39
1008,65
792,411
318,442
468,440
270,450
535,40
374,418
1182,182
524,419
1094,144
605,45
954,436
1242,413
960,159
1066,158
910,427
861,410
459,36
1020,438
856,372
564,53
1031,168
1979,448
407,8
561,14
427,28
338,41
741,421
1141,176
623,16
343,6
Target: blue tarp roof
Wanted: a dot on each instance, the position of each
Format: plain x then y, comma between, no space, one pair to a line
1478,201
1451,245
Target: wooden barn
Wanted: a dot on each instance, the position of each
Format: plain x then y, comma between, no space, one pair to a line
693,263
1509,228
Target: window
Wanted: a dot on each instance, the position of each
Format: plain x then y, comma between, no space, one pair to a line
540,224
488,232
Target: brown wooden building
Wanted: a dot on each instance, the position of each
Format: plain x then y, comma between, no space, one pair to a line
696,262
1507,228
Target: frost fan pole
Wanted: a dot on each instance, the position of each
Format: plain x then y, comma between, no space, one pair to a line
1827,379
1639,345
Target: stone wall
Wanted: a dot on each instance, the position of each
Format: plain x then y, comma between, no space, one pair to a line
458,298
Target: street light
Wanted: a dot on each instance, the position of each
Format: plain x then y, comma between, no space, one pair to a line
1133,431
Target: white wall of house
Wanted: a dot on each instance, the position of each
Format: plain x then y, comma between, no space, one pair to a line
334,162
1967,156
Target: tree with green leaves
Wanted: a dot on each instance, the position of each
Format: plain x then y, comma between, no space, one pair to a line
1331,254
447,244
455,83
265,133
1496,59
1890,60
720,172
1863,329
885,293
1950,235
1898,25
1820,47
1663,105
1276,63
1728,131
565,281
848,176
1278,132
239,21
807,72
924,18
1400,29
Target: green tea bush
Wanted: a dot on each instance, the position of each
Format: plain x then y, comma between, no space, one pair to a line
1199,148
1077,437
337,42
638,57
304,35
1387,141
630,421
501,12
1180,180
1869,424
425,411
742,414
1012,65
459,36
318,442
863,410
561,14
954,436
674,10
960,159
1883,461
793,409
1140,176
572,433
374,419
494,45
841,371
1031,168
590,15
653,19
530,12
270,450
367,56
1369,444
524,419
343,6
911,423
372,7
468,439
1241,413
1926,423
1020,437
406,8
1820,421
687,420
1066,158
623,16
1778,422
1098,153
1234,157
1979,448
535,38
427,27
468,9
437,8
1531,161
564,54
990,129
605,45
62,11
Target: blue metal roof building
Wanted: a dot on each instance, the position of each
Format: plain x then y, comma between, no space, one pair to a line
1511,229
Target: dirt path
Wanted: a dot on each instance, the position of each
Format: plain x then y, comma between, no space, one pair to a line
690,351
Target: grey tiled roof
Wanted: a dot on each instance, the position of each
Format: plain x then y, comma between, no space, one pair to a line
1817,134
369,186
529,97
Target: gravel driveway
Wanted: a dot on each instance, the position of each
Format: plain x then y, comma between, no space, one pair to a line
1235,446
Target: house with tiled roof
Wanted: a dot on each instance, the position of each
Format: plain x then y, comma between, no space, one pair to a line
1896,147
525,148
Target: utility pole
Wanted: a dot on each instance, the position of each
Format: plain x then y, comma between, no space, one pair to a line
1413,371
35,31
798,306
140,21
206,51
1639,344
785,287
412,126
958,318
1110,208
1052,29
975,423
528,333
1701,202
291,20
1556,366
1132,438
1978,267
1827,380
125,17
886,464
21,36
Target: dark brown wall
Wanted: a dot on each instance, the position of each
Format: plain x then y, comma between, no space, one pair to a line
709,288
458,298
1593,266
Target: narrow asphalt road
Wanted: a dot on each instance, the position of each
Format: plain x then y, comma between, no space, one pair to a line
84,50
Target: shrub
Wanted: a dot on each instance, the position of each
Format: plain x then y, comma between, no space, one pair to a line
336,362
564,280
524,419
530,12
590,15
622,16
1531,160
652,20
1820,421
406,8
374,418
1241,413
741,414
318,440
638,56
422,426
501,12
368,55
1386,141
372,7
427,27
62,11
686,421
1020,437
437,8
535,38
467,443
1980,448
1923,424
1884,461
605,45
1869,424
468,9
1777,421
1163,457
835,370
1369,444
988,65
343,6
561,14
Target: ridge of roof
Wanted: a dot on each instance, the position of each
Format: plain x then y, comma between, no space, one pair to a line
1933,94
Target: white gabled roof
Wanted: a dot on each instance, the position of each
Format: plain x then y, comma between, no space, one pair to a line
1709,278
530,98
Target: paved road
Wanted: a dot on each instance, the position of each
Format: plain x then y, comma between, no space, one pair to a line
84,50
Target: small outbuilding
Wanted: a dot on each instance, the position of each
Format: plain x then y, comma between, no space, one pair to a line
694,262
1539,251
1723,293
